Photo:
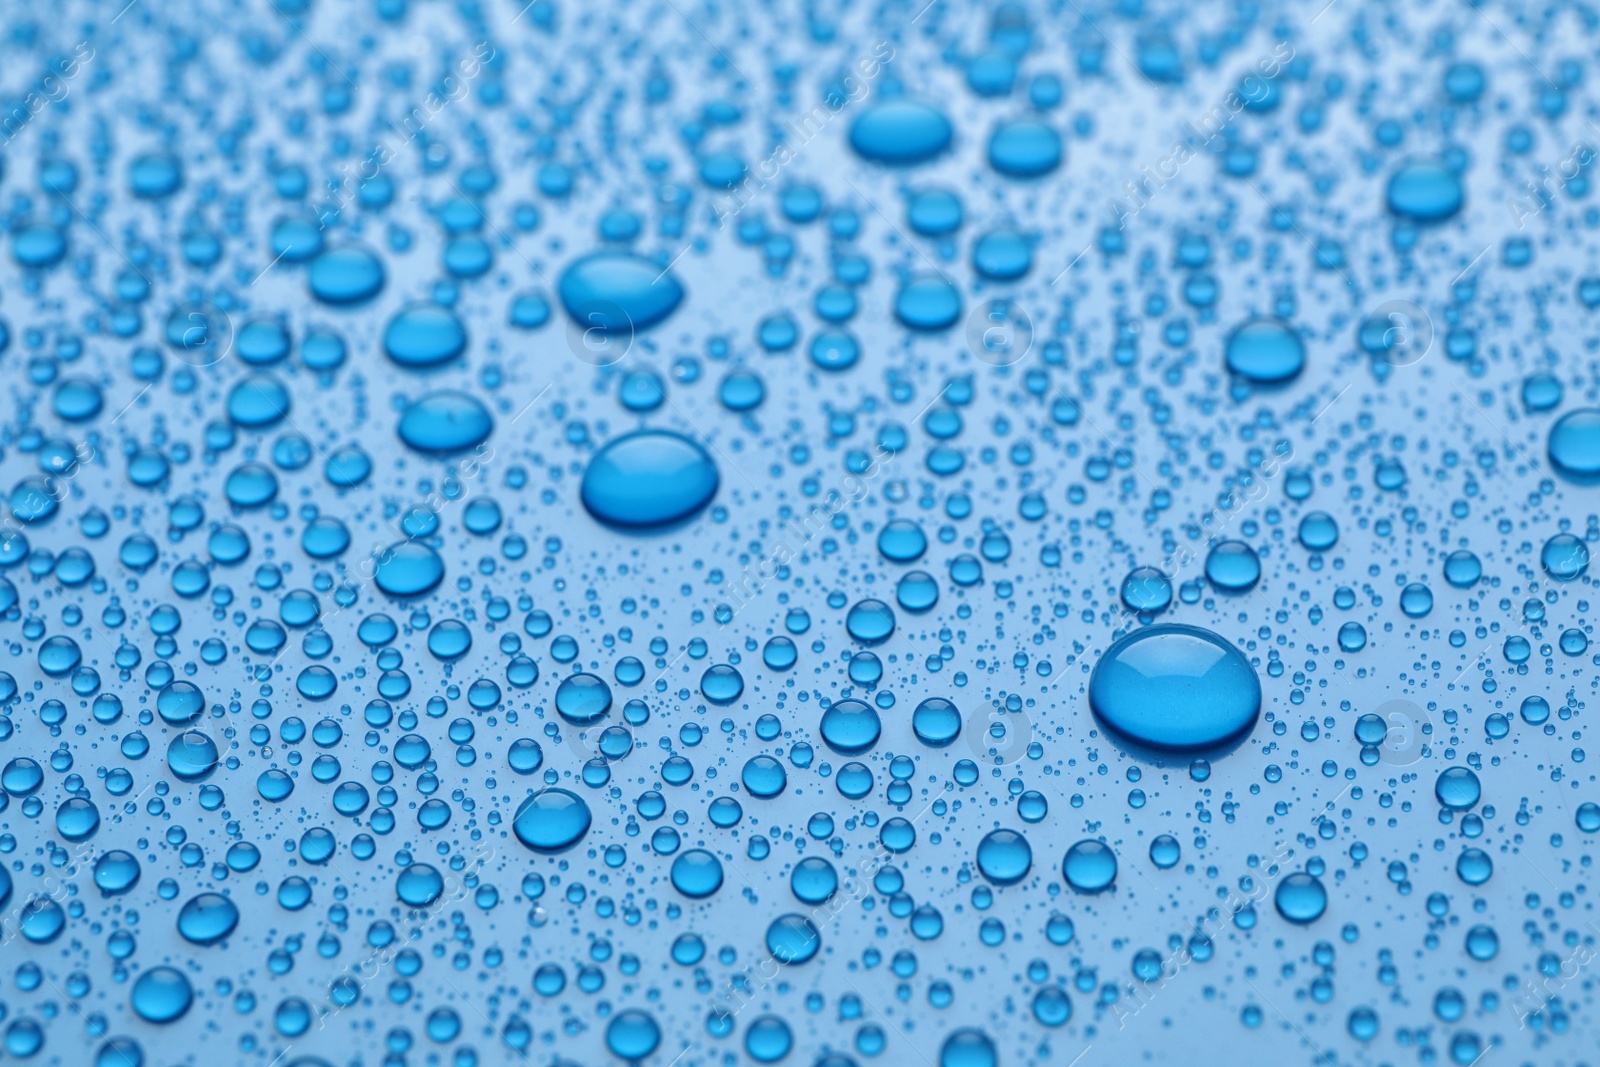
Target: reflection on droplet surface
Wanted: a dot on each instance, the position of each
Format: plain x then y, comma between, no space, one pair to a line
207,918
1424,191
1090,866
161,995
551,820
1175,687
445,423
900,133
1265,351
618,291
648,479
423,336
1004,857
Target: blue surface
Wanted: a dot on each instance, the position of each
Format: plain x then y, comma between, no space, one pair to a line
591,533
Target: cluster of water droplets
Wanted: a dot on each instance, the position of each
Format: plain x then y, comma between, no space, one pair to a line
698,535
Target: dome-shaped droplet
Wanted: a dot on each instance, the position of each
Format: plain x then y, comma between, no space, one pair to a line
180,703
696,873
423,336
1175,687
1146,589
764,776
1574,445
155,175
551,820
207,918
115,872
814,880
632,1035
1300,898
968,1048
77,399
618,292
22,776
870,621
1564,557
161,995
258,402
902,541
77,819
583,699
1265,352
1457,788
1090,866
344,277
1004,857
928,303
648,480
419,885
445,423
850,727
408,569
936,722
192,756
793,939
900,133
721,684
1024,149
1233,566
1424,191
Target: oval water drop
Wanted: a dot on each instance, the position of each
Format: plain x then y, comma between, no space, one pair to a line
1265,352
424,336
1175,688
551,821
648,480
408,569
618,292
161,995
207,918
445,423
1574,445
1424,192
1004,857
900,133
345,277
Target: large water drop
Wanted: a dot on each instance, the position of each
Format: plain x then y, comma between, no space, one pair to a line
648,480
551,820
900,133
618,292
1175,687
